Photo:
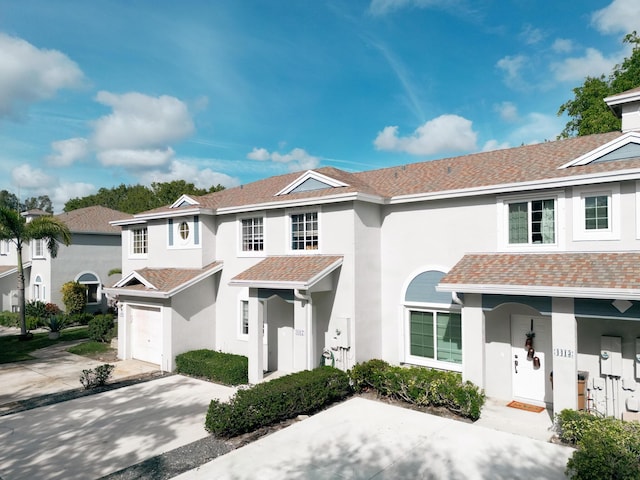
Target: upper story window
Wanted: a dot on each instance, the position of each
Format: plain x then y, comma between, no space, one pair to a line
183,232
532,222
252,234
4,247
139,241
596,213
38,248
304,231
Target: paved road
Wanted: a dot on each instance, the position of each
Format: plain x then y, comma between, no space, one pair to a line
92,436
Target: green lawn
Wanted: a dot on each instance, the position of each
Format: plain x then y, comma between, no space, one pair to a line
90,348
14,350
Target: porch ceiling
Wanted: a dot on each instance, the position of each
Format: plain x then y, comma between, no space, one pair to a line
580,275
295,271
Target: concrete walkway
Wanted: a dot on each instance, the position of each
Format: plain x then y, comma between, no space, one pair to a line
365,439
93,436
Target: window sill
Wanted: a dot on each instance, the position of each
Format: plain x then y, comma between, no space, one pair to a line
437,364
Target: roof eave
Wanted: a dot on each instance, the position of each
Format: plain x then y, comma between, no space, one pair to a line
542,291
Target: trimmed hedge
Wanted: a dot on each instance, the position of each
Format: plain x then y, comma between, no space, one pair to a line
9,319
608,448
420,386
102,328
279,399
218,367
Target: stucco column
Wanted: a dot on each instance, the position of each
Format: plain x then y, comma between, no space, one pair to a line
473,340
301,332
256,328
564,343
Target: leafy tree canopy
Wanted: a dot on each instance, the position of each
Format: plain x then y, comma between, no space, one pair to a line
139,198
587,111
43,202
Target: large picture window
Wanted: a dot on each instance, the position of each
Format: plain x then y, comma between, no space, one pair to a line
532,222
252,234
304,231
139,244
436,335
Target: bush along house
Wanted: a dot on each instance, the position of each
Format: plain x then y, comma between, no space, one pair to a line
517,268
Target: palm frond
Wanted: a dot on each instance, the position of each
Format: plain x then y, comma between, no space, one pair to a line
50,228
12,224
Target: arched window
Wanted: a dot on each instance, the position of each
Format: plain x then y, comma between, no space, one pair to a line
38,289
433,324
92,282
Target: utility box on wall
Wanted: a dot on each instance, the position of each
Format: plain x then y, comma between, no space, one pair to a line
340,333
611,356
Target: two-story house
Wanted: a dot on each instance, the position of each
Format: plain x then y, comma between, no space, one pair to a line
95,249
511,267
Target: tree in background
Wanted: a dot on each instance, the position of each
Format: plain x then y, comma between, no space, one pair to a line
138,198
587,111
43,202
10,201
15,228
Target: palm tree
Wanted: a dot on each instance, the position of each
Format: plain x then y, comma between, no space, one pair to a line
15,228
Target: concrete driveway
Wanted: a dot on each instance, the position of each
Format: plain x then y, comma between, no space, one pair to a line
365,439
96,435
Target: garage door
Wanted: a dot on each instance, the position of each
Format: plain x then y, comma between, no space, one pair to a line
146,334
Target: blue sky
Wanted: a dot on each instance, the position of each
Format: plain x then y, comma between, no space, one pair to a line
95,94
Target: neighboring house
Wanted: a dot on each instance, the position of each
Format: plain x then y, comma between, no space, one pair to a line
451,264
95,250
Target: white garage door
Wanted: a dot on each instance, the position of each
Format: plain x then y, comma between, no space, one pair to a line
146,334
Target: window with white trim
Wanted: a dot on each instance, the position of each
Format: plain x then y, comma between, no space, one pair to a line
532,222
38,248
304,231
596,213
38,289
139,241
4,247
252,231
92,282
183,232
244,317
435,335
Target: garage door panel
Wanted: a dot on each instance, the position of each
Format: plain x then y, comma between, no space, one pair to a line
146,334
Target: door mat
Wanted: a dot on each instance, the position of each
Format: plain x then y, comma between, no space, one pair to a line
525,406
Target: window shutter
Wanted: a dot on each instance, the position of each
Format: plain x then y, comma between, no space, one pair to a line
170,223
196,230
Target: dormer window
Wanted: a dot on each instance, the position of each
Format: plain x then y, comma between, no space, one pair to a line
183,232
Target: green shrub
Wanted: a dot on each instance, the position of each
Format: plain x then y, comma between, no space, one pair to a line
572,424
82,318
279,399
55,323
96,377
607,448
34,322
74,296
9,319
218,367
35,308
420,386
102,328
51,309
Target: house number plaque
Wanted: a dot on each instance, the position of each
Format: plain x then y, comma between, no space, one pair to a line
563,352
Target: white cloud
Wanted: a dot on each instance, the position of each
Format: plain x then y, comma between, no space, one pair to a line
592,63
296,159
531,35
512,66
64,192
27,177
494,145
446,133
68,151
562,45
30,74
141,121
135,159
620,16
190,172
535,128
381,7
507,111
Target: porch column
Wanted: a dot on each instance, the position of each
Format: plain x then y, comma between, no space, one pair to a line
564,343
256,326
473,340
301,331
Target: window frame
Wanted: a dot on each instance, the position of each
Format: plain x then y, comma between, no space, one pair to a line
96,282
175,238
240,229
132,243
242,298
37,248
5,248
503,204
426,361
580,194
39,289
290,232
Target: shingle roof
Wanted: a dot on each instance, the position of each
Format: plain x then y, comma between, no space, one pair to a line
93,219
597,270
300,270
166,280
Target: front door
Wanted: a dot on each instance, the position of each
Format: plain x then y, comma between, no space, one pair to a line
530,373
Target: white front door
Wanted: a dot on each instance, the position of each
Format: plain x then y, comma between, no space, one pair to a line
530,376
146,334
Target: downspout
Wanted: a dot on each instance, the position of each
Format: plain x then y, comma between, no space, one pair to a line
309,314
456,299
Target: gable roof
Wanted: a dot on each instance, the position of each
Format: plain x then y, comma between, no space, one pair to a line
295,271
94,219
580,275
162,282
